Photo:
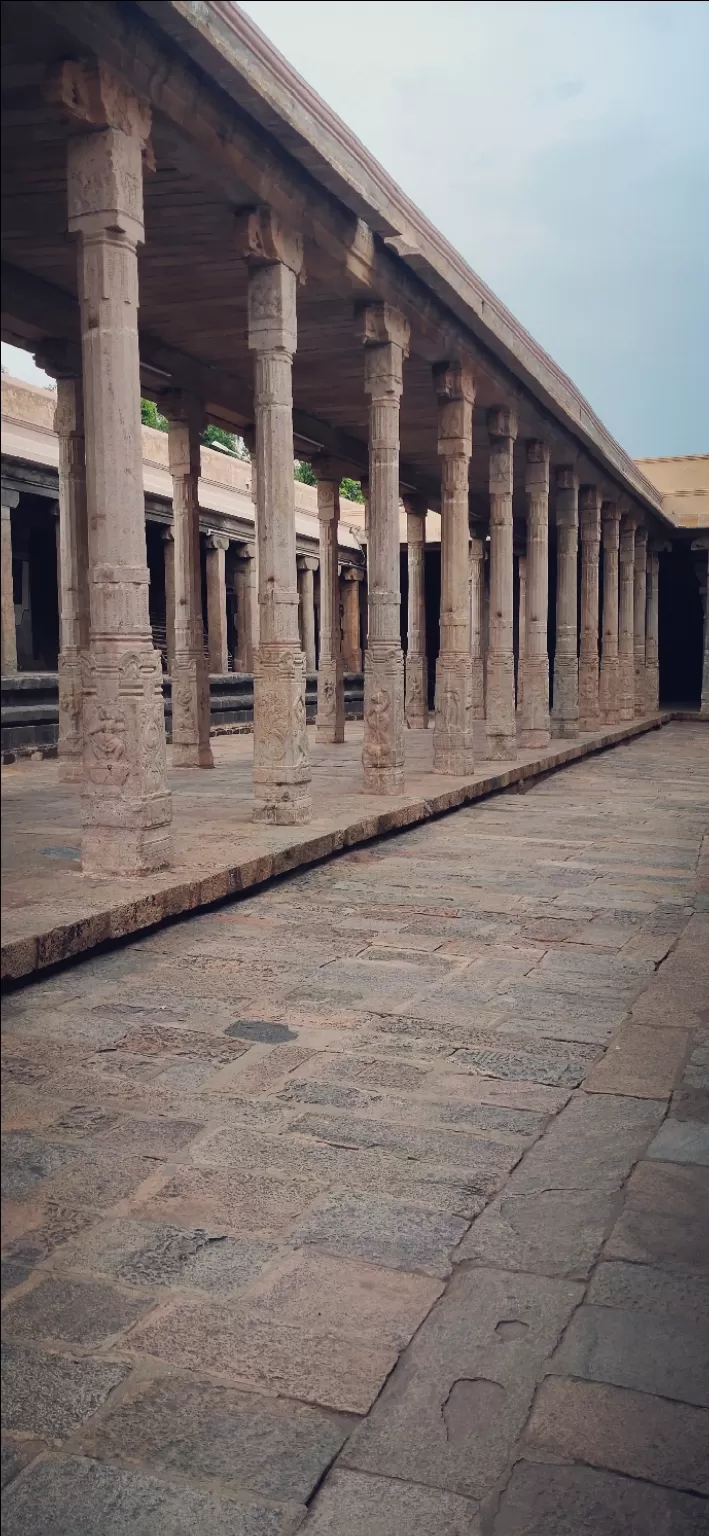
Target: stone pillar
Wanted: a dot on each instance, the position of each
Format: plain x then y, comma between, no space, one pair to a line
246,589
190,677
652,633
281,773
565,713
639,618
330,719
476,569
453,726
9,634
609,681
74,600
217,546
500,696
168,543
126,808
416,667
386,337
352,649
626,625
590,523
306,592
521,628
535,723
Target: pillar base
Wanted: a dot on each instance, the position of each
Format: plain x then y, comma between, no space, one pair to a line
330,718
281,772
383,781
71,770
125,850
191,757
534,737
564,730
293,810
499,749
383,750
589,722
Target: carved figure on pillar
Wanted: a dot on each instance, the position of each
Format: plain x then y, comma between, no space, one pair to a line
330,719
535,722
477,588
307,567
190,679
281,772
565,712
590,523
352,579
385,334
609,682
626,627
126,808
416,666
639,619
453,726
500,697
217,546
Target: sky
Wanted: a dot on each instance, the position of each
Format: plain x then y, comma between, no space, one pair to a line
563,148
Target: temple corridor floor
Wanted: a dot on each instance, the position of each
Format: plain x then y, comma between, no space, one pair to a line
377,1203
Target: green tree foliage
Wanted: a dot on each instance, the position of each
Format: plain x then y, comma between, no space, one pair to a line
303,471
217,437
151,417
351,490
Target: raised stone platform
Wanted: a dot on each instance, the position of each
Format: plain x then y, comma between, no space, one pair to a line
51,911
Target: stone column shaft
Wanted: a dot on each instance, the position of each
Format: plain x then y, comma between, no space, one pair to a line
191,710
416,668
168,543
626,626
352,649
565,713
306,593
609,682
386,336
453,726
590,522
330,720
74,598
217,546
521,629
246,589
639,619
281,772
652,633
9,632
500,694
477,584
126,808
536,725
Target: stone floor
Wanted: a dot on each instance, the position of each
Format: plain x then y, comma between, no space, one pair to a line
377,1203
51,911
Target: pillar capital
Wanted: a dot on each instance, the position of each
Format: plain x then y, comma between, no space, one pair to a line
8,500
217,540
502,422
264,240
566,477
105,186
352,573
307,563
536,467
381,325
60,359
641,538
455,392
167,535
244,552
88,92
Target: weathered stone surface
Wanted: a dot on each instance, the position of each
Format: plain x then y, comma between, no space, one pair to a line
15,1455
640,1062
387,1232
683,1298
152,1138
452,1411
200,1429
580,1501
538,1064
629,1349
244,1207
52,1395
355,1504
326,1294
66,1497
630,1432
27,1162
13,1273
593,1144
485,1161
681,1141
141,1253
665,1218
557,1232
62,1311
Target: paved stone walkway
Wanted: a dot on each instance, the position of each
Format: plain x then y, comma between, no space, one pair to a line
383,1192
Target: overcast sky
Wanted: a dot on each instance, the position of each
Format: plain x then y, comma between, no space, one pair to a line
564,149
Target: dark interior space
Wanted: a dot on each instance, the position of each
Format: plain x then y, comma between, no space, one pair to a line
681,628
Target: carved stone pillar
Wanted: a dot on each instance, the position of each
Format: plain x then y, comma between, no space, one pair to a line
535,723
126,808
386,338
652,632
500,697
639,619
565,712
476,569
306,592
246,591
190,677
330,719
74,601
626,627
9,633
609,682
453,726
168,544
217,546
416,668
521,628
352,579
590,523
281,773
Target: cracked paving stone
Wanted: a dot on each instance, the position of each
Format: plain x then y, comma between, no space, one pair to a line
555,1232
382,1231
15,1455
631,1432
580,1501
75,1495
273,1448
459,1148
629,1349
592,1144
53,1395
665,1217
140,1253
62,1311
353,1504
684,1298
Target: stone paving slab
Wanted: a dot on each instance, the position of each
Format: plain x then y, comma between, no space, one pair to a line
274,1260
51,912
